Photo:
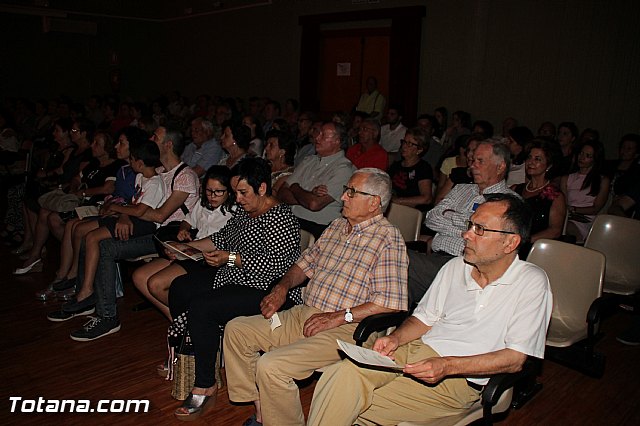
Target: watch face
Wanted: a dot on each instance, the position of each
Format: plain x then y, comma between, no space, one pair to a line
348,317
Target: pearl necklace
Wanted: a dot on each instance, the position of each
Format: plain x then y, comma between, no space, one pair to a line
535,189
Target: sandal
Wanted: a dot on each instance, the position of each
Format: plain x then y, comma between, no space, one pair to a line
195,406
163,369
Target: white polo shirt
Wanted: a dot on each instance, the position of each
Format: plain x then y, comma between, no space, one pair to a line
513,312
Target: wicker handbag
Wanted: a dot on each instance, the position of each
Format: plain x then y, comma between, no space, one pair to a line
184,370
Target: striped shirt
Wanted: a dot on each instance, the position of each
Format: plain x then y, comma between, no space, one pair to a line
449,217
347,269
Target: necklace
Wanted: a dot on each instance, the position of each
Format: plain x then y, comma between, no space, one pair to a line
527,188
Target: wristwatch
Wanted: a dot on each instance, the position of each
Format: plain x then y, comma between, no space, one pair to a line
348,316
232,259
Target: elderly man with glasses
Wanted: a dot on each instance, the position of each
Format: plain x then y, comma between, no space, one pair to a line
449,217
368,152
485,312
358,267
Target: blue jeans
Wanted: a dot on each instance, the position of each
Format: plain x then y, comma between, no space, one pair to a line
111,251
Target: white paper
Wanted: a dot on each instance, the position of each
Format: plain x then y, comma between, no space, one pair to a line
274,321
367,356
190,253
86,211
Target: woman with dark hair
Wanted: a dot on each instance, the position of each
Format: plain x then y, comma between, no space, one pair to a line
279,152
256,247
543,197
207,217
72,154
257,136
235,140
411,176
517,141
586,190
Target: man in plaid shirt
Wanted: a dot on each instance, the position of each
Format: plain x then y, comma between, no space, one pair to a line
357,268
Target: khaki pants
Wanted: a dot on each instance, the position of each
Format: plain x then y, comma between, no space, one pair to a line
288,356
347,394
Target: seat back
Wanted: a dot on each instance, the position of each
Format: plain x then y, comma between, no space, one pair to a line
575,274
619,239
306,240
407,219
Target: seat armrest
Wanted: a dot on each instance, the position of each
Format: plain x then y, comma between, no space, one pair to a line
377,322
594,314
499,383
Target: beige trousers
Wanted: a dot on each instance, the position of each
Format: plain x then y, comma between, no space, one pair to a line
288,356
348,394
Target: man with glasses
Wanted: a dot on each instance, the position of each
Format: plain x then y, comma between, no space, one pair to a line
315,187
357,268
486,311
368,152
491,160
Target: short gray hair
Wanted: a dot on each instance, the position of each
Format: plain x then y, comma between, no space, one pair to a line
377,183
500,150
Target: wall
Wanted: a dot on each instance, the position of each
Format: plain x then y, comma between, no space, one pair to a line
536,60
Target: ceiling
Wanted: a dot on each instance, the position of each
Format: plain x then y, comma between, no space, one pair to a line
145,10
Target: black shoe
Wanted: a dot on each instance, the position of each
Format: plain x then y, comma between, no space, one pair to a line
96,328
74,309
65,284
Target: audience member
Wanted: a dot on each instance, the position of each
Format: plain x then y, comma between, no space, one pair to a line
460,333
586,190
448,218
208,216
567,135
235,141
411,177
315,187
541,195
371,101
204,151
280,152
181,183
356,268
517,141
368,152
257,246
392,132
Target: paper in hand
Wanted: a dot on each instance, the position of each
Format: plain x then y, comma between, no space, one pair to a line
367,356
274,321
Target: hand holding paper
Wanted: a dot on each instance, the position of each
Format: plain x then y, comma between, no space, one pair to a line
367,356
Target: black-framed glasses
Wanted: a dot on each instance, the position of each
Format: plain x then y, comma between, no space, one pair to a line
215,192
351,192
406,142
479,230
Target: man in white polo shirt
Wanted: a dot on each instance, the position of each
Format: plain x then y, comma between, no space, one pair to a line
485,312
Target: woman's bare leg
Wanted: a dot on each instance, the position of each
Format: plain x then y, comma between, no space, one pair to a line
154,279
80,230
40,237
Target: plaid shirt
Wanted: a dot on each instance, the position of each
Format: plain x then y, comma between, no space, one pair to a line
459,205
369,264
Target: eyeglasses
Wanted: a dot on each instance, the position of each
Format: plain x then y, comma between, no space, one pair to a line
406,142
75,130
215,192
351,192
479,230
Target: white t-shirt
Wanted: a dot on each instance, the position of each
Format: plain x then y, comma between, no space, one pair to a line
149,191
513,312
390,139
186,181
207,221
